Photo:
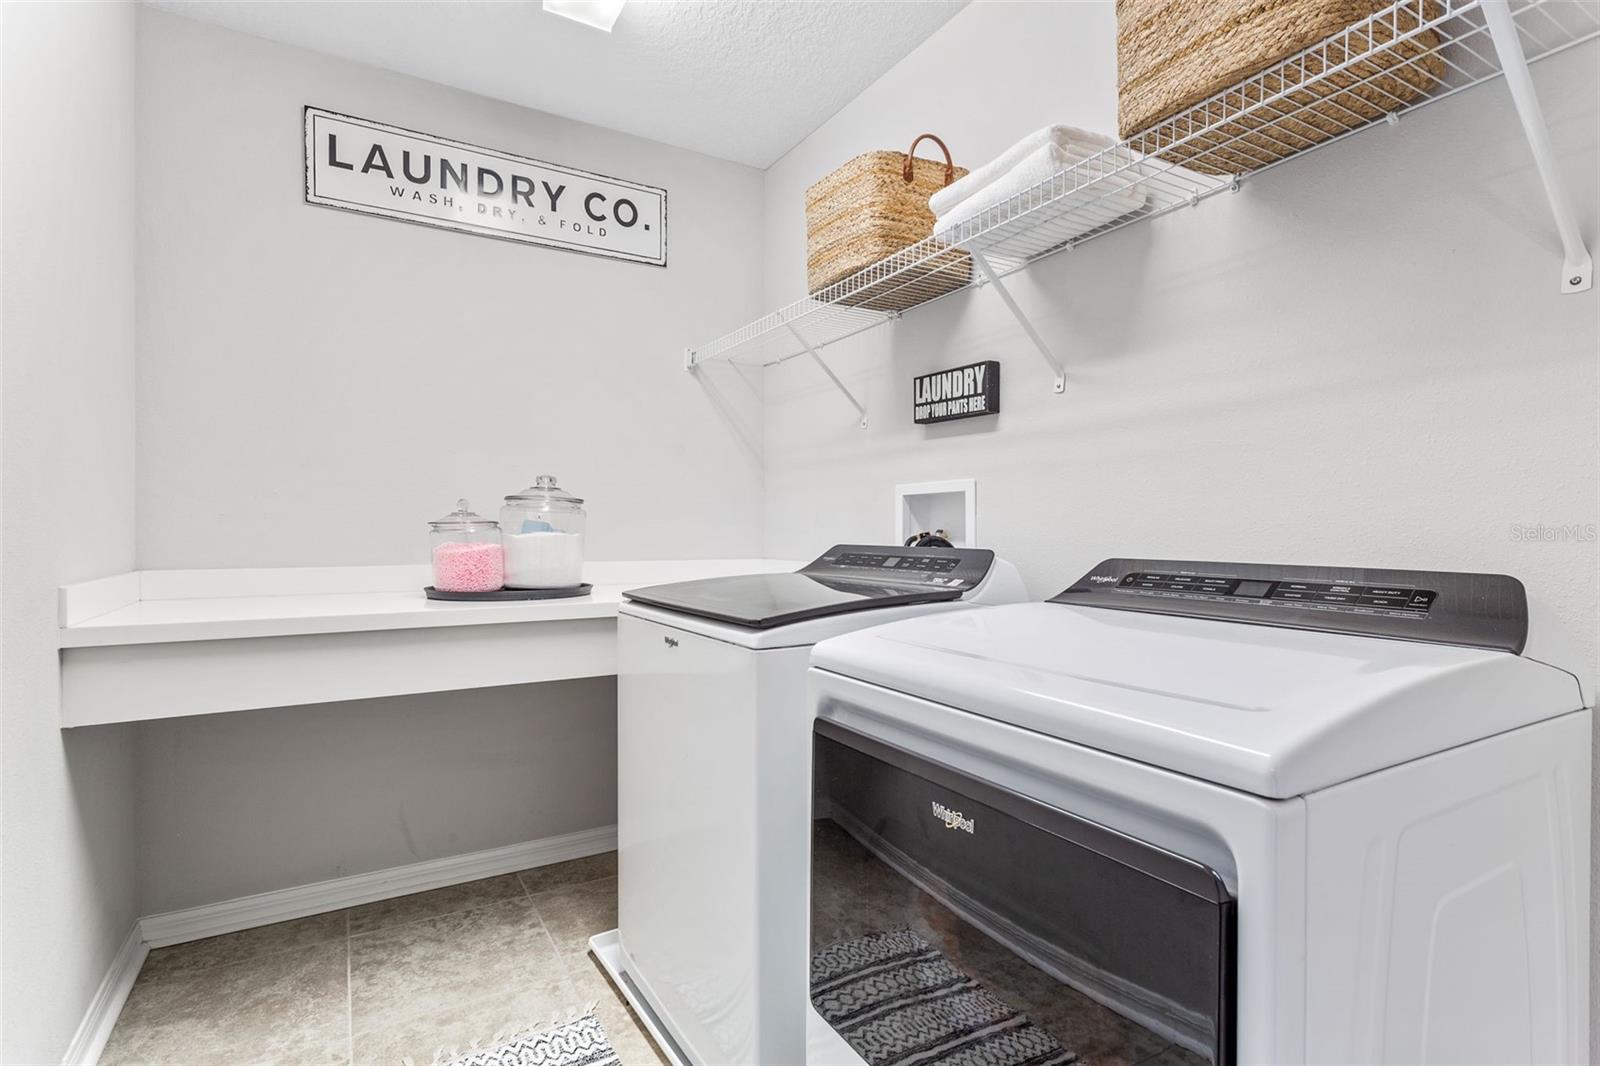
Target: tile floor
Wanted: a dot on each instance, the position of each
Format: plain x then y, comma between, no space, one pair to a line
396,980
387,982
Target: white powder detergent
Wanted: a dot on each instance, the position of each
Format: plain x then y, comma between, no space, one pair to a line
543,560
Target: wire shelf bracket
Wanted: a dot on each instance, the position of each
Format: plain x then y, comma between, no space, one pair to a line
857,404
992,278
1577,268
1374,72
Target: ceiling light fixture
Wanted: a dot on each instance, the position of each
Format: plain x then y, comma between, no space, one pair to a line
601,14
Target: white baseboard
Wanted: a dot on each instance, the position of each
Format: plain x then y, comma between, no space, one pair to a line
281,905
95,1029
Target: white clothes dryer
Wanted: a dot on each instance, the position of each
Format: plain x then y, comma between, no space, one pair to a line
1206,812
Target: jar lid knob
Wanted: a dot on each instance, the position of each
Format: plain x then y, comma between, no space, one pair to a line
462,516
544,490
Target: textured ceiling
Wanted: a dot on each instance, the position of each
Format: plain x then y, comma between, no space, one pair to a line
744,80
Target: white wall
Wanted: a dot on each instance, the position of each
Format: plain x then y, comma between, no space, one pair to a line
297,364
66,500
1362,358
292,410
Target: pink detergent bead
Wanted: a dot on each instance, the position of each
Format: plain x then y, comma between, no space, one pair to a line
461,567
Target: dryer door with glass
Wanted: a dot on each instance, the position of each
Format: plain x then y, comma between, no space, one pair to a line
953,922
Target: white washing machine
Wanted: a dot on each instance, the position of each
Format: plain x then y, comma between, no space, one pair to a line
1197,812
714,784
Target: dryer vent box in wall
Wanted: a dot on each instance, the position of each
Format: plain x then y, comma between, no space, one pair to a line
929,505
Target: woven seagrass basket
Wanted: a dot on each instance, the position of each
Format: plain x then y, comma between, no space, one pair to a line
870,208
1173,55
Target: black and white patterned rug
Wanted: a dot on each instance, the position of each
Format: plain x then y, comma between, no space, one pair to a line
899,1002
576,1043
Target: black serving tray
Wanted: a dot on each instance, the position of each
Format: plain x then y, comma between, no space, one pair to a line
502,595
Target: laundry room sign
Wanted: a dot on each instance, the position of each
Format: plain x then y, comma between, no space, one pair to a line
963,392
355,164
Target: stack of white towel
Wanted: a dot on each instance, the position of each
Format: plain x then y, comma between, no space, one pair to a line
1104,188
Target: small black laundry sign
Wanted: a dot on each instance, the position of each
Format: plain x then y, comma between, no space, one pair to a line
964,392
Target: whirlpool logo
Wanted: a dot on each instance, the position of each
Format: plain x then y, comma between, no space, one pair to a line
952,819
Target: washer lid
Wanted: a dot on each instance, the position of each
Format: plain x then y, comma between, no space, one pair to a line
1277,712
846,578
761,601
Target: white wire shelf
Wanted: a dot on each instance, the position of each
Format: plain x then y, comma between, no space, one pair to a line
1410,54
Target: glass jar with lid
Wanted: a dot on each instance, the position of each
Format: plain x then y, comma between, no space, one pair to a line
542,532
467,555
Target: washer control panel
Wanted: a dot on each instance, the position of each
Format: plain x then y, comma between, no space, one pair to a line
962,568
898,564
1442,607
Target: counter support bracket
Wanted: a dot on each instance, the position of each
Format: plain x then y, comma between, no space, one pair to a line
993,278
860,409
1577,268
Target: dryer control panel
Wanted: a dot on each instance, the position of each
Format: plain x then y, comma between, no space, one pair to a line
1312,595
1479,610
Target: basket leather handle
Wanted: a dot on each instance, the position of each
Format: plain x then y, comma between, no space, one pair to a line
949,164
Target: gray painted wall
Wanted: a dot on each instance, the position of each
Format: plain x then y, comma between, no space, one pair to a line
67,897
1361,358
314,385
291,412
233,804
